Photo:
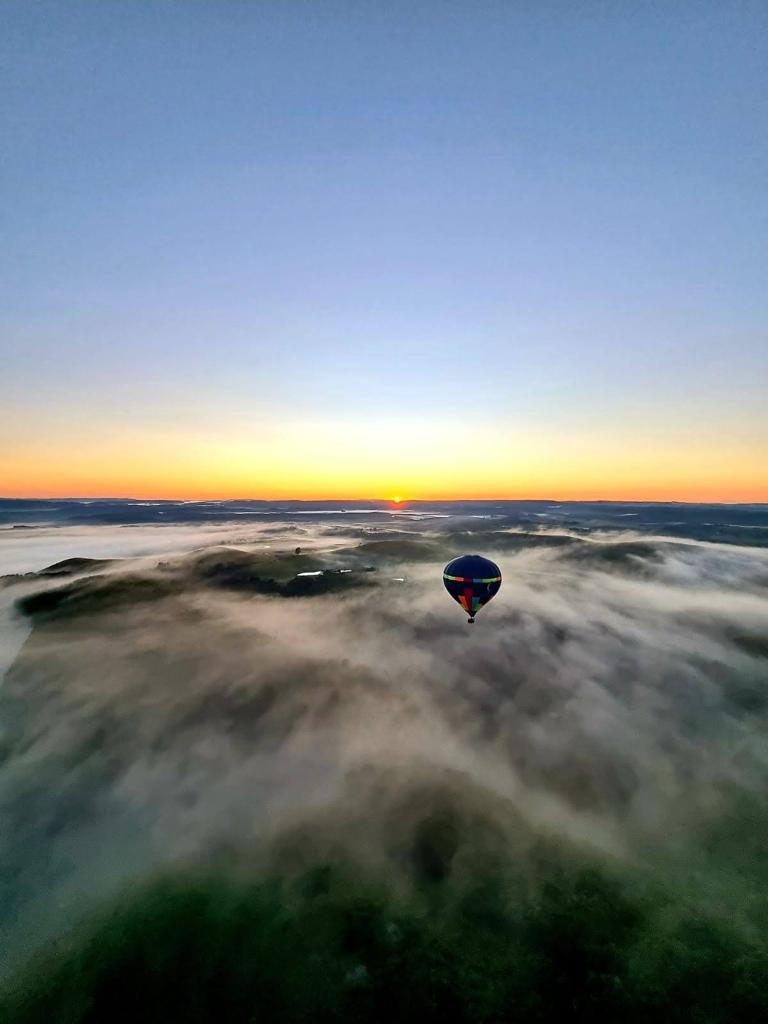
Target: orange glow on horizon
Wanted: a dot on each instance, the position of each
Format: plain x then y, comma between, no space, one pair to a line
340,461
144,490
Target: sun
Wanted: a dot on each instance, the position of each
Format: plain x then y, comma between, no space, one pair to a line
397,499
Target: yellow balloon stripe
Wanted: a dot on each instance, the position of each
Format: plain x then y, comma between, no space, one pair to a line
466,579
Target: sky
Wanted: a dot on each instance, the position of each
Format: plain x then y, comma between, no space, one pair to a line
432,250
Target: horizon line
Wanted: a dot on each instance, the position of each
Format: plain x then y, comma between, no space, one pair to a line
385,501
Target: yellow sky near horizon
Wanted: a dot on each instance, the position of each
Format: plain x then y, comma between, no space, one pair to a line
512,256
416,460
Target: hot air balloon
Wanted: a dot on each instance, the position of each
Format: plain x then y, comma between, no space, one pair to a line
472,581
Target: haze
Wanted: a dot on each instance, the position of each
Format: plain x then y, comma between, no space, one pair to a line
262,766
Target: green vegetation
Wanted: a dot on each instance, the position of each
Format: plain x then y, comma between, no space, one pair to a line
636,558
95,594
71,566
503,540
277,574
332,945
404,550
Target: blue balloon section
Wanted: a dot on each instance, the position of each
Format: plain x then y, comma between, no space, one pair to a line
472,581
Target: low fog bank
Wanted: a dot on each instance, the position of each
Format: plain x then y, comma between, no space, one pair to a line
740,524
314,793
29,549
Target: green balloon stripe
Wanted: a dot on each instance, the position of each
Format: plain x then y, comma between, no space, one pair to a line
466,579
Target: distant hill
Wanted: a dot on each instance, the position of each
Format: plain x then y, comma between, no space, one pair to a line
728,524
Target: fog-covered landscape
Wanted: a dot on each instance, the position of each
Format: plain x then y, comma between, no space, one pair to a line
256,765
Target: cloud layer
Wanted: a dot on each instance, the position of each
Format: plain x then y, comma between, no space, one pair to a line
608,707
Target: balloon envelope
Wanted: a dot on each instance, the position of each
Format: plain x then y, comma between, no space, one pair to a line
472,581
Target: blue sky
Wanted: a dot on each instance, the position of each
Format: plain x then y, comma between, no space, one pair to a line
551,215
